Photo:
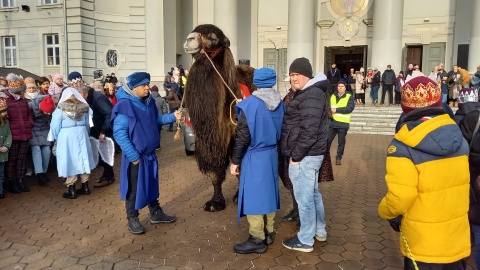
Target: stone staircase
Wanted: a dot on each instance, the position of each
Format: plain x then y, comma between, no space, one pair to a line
380,120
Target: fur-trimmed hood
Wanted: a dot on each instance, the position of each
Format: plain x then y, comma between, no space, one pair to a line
75,111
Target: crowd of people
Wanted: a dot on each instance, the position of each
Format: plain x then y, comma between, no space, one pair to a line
358,82
432,179
49,115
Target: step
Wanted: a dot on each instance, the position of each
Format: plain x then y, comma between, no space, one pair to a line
373,125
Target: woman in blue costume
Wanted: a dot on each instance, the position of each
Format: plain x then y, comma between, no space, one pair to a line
70,127
132,120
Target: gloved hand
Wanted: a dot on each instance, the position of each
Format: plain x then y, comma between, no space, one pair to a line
395,223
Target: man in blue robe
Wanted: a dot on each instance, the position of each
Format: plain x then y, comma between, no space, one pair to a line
132,120
260,118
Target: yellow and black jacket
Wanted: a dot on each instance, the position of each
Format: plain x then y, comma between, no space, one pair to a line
428,183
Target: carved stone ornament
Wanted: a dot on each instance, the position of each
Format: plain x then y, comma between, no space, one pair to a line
347,27
325,26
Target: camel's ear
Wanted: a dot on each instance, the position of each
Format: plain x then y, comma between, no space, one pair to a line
226,41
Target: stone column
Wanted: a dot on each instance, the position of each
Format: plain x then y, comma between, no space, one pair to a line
474,52
387,34
301,30
225,18
154,34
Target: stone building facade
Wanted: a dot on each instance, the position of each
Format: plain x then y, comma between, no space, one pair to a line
122,36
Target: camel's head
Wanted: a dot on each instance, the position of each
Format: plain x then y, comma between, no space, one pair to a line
205,36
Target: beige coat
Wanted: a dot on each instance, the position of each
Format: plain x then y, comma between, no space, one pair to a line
358,84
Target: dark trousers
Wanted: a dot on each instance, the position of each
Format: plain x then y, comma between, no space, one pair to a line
458,265
172,110
132,194
17,156
107,169
398,97
361,97
387,88
342,139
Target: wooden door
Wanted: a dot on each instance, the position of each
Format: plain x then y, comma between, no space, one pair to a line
433,55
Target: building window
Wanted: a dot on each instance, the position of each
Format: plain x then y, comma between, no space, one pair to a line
9,51
7,3
112,58
52,50
50,2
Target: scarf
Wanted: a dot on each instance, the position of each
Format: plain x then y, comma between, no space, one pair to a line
31,96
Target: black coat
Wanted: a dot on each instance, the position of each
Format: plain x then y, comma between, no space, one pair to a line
388,77
102,111
464,109
334,76
304,129
467,126
376,79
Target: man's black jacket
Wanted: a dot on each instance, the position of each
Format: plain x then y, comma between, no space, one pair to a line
388,77
304,129
102,111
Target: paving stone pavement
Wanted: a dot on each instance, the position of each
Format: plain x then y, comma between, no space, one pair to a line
42,230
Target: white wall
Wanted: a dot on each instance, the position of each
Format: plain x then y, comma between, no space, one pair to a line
273,12
29,29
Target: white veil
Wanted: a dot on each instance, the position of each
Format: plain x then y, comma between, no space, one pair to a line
66,94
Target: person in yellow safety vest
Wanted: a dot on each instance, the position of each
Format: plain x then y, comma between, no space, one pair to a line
341,106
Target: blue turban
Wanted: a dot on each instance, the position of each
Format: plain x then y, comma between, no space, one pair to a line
137,79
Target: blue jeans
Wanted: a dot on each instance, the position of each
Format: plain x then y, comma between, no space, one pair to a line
374,92
41,158
304,178
2,176
476,242
444,98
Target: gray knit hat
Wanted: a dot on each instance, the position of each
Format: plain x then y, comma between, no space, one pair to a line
301,66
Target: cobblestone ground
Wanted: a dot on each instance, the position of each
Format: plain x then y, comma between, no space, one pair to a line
41,230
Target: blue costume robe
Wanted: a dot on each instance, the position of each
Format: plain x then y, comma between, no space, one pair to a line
143,134
258,189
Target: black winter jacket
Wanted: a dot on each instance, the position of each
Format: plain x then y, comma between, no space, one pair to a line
334,76
102,111
465,109
376,79
242,140
388,77
304,129
467,126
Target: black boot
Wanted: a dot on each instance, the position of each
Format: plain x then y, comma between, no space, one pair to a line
84,190
22,185
13,187
292,214
42,179
268,237
252,245
71,193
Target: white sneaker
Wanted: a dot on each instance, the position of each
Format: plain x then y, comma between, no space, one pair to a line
29,172
321,238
